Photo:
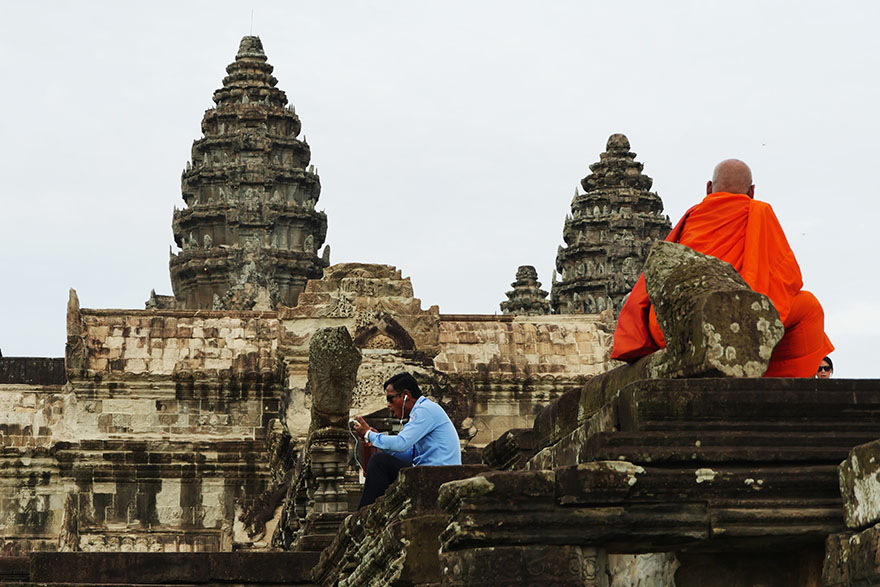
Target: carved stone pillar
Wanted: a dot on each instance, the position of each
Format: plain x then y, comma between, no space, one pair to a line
329,462
316,501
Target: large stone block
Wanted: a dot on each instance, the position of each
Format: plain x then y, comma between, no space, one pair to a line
860,485
852,559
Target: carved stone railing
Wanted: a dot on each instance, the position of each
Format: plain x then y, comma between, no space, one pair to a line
396,540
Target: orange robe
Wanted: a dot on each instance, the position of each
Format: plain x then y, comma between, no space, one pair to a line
745,233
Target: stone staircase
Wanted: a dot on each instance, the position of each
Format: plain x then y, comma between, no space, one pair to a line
737,477
726,470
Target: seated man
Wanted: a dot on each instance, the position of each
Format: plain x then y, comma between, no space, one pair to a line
428,439
731,225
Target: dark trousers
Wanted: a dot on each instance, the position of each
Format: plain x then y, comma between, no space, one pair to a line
382,470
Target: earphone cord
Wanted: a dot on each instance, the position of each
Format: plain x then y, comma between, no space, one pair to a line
356,443
358,440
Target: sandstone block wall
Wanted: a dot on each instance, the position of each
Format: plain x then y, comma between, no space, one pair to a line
157,343
157,435
154,374
158,431
518,364
508,347
34,416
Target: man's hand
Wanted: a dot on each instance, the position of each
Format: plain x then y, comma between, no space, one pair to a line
362,427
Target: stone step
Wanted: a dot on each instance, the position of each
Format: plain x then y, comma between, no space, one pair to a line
14,568
152,568
629,508
725,446
751,404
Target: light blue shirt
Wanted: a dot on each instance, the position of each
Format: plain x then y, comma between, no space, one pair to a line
428,439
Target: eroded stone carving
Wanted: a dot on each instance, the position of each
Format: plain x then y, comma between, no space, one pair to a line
316,493
712,320
379,300
75,353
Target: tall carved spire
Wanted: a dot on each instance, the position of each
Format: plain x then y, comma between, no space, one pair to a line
249,233
526,297
608,234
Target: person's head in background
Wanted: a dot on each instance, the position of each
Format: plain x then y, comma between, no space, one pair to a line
826,368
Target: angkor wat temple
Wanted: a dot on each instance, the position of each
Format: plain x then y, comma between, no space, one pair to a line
203,439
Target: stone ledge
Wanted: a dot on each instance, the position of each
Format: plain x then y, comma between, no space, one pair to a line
146,568
477,317
179,313
628,508
32,370
794,408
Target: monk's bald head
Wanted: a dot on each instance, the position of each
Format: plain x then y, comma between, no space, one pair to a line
732,176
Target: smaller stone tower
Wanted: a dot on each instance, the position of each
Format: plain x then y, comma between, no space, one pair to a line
608,234
526,297
250,233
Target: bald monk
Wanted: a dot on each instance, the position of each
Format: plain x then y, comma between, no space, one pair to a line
731,225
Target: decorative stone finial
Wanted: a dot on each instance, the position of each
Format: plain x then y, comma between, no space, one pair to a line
526,273
616,168
526,297
617,143
251,47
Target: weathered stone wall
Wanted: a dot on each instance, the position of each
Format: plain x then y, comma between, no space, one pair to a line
158,434
178,373
34,416
33,419
171,342
158,438
515,365
31,500
523,347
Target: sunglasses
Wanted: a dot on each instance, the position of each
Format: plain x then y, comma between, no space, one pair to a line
824,368
390,398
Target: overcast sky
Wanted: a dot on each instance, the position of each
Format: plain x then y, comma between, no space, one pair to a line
449,136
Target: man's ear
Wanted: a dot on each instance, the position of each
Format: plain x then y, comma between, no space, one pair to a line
751,192
708,187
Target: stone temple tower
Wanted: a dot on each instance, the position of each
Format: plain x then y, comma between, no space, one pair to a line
526,298
608,234
249,233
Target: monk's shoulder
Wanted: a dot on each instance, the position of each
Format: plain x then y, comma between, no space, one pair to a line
763,209
760,205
